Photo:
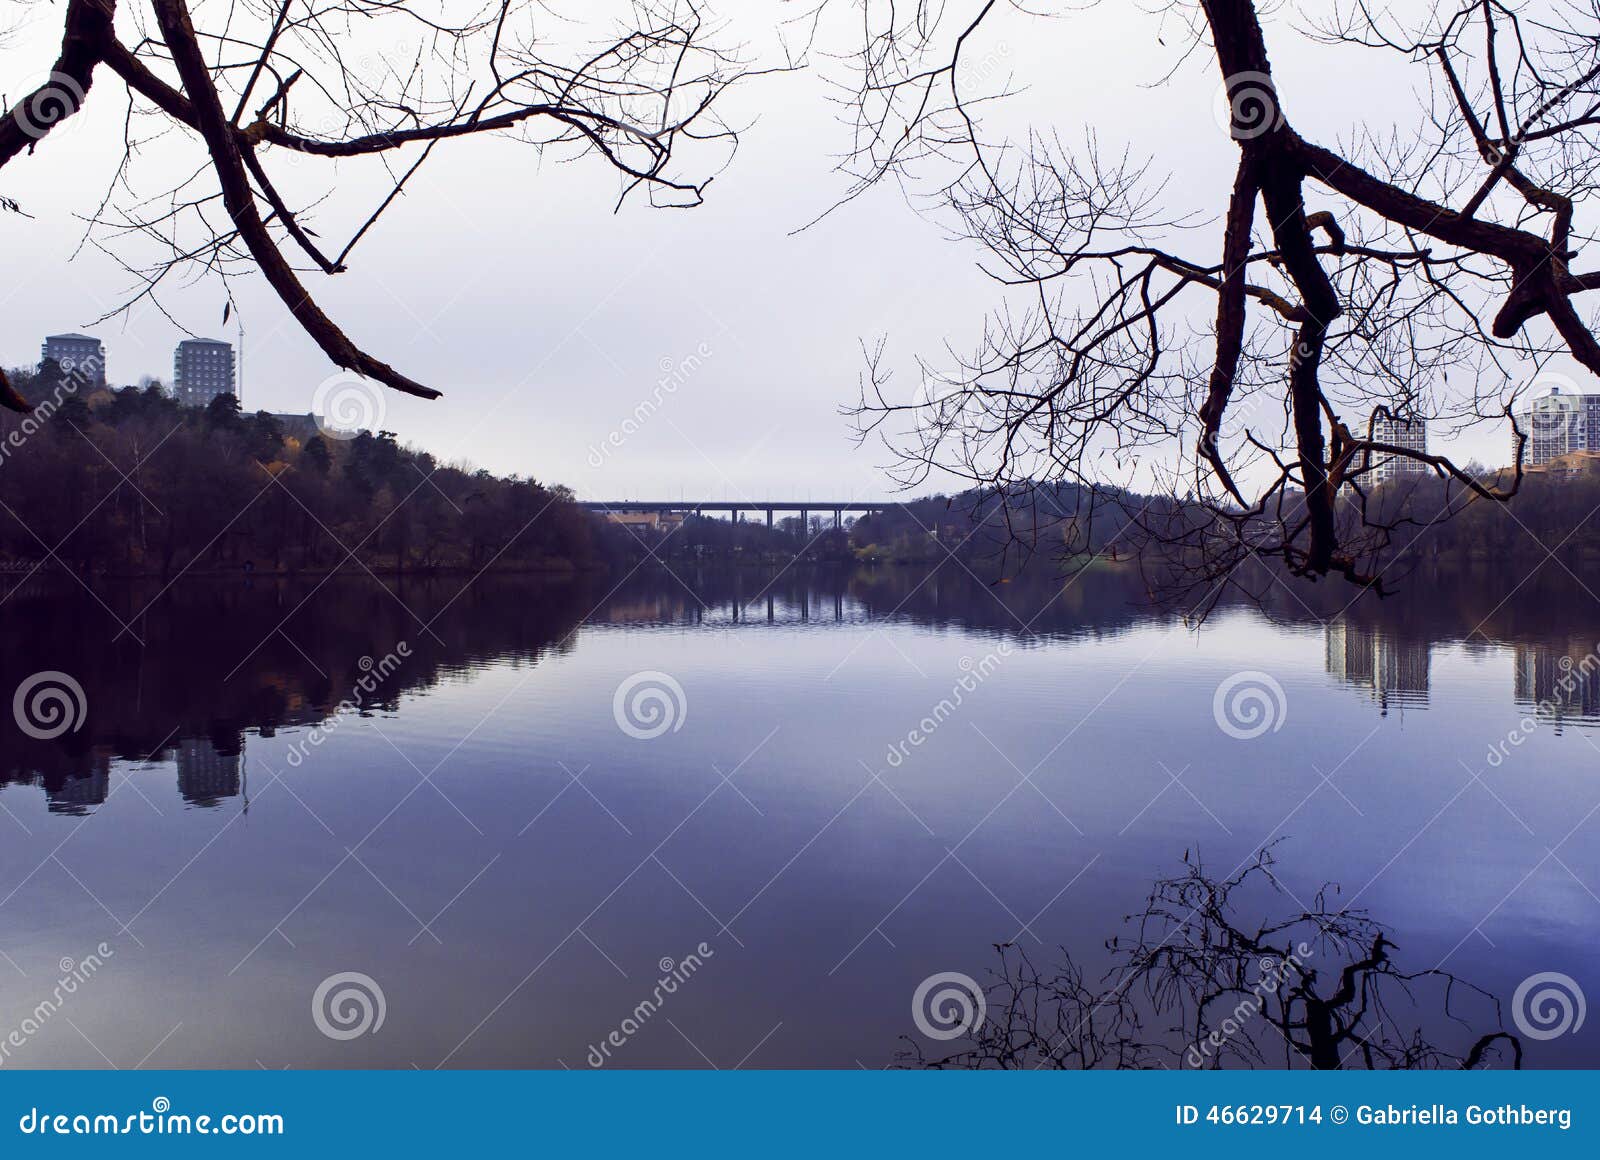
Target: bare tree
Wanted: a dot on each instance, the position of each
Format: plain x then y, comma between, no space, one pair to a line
1195,985
254,85
1239,354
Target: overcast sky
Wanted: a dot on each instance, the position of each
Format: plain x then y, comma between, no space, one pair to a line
546,318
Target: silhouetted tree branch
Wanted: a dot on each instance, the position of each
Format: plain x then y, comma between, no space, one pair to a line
1341,281
630,99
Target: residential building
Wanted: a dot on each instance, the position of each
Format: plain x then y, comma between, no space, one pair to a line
79,356
1397,430
202,369
1556,425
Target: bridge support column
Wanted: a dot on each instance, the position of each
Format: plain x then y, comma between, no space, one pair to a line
769,519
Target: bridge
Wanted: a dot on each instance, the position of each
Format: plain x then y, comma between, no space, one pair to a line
737,508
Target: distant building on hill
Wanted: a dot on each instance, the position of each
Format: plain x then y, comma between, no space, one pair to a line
302,427
1408,431
80,355
202,369
650,521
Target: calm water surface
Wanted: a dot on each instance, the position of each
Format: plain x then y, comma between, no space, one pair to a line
491,840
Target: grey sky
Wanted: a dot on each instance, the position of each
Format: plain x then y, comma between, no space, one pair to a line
546,318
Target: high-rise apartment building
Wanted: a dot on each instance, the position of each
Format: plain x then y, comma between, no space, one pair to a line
81,357
1558,424
202,369
1408,431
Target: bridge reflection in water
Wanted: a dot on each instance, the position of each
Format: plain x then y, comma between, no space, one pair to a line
222,663
736,509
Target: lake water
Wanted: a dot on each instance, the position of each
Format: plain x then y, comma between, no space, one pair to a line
514,853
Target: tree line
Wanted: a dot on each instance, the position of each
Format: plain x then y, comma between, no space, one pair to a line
130,482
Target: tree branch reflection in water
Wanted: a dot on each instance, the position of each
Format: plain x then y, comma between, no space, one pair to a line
1195,983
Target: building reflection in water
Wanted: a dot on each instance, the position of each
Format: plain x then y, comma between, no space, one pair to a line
1393,671
78,795
208,774
1559,684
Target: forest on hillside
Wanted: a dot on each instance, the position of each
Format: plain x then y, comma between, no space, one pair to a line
129,482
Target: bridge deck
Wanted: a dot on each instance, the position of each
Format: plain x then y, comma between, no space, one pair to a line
718,505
